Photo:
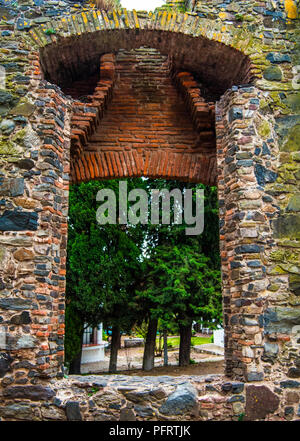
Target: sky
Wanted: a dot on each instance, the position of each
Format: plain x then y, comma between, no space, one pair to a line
141,5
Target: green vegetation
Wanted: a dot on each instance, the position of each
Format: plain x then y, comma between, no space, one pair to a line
173,342
140,278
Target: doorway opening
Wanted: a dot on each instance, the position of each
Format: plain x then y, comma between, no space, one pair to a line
143,297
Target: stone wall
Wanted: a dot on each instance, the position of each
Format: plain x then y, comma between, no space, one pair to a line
250,60
121,398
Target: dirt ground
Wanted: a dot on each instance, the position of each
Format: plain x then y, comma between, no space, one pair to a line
209,367
130,363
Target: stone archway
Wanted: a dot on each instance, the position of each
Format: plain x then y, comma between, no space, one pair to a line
58,63
246,166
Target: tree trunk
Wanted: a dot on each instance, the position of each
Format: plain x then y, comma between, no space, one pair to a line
185,345
114,347
75,364
148,359
165,347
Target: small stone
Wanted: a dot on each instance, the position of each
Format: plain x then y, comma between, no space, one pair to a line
25,202
277,58
127,415
280,319
237,408
272,73
144,411
23,109
270,349
292,398
22,319
12,187
294,204
7,126
158,393
287,226
73,411
16,304
17,411
235,113
34,393
137,396
290,384
237,388
244,249
53,414
255,376
226,387
289,411
5,97
18,221
260,401
236,398
26,164
294,373
263,175
25,342
180,402
5,362
23,254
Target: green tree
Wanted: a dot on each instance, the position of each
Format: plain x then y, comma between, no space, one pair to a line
103,266
182,279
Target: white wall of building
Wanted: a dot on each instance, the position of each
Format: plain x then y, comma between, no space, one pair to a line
219,337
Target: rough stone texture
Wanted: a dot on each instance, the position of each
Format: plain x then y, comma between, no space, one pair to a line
260,401
73,411
239,56
180,402
34,393
5,362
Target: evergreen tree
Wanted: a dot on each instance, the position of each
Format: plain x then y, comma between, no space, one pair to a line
182,280
103,267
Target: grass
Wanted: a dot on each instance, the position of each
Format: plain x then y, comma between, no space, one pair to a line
174,341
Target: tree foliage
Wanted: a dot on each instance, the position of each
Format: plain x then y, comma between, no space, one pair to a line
104,262
122,275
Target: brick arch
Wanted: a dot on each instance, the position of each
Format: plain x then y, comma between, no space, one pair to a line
157,124
219,53
211,53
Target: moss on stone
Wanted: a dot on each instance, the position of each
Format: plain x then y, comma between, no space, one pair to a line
273,287
292,101
24,108
273,73
8,148
19,136
276,270
264,129
293,139
294,203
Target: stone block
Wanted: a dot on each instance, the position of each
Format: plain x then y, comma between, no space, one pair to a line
34,393
180,402
18,221
280,319
260,401
73,411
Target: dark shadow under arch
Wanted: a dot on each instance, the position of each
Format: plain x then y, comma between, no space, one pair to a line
218,65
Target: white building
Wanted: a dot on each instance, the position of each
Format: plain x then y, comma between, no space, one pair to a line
93,345
219,337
